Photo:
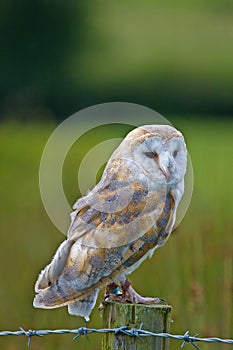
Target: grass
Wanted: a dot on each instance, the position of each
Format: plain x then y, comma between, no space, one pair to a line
193,271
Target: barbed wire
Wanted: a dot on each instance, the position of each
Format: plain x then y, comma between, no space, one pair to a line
126,330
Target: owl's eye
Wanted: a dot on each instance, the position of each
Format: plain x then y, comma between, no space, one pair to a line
151,155
175,153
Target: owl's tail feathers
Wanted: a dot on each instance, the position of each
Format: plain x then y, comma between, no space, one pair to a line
52,271
49,299
84,307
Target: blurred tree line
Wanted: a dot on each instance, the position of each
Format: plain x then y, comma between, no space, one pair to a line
58,57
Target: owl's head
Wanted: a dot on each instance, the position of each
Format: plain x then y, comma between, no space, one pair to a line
159,150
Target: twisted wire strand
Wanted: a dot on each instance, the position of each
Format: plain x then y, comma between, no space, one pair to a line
132,332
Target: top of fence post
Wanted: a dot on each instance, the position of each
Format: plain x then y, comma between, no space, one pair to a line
155,318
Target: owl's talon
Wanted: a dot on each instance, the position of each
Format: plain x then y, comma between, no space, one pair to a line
113,297
101,307
162,300
106,297
131,296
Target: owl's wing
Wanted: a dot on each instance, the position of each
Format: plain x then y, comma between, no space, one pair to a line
119,210
111,229
111,215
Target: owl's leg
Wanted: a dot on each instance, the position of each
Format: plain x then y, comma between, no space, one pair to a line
112,292
130,295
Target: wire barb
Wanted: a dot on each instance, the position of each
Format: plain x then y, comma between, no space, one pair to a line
30,333
188,339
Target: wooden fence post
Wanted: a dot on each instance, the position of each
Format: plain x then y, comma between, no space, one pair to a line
155,318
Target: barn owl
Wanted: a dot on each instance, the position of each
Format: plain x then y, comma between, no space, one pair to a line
119,223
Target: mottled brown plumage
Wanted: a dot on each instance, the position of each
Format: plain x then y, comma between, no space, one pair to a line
120,222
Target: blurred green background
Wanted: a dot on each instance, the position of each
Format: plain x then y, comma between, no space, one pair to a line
58,57
175,57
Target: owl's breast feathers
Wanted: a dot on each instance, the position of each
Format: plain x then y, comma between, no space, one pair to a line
112,228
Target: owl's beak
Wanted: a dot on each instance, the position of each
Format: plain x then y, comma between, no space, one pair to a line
166,164
166,172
